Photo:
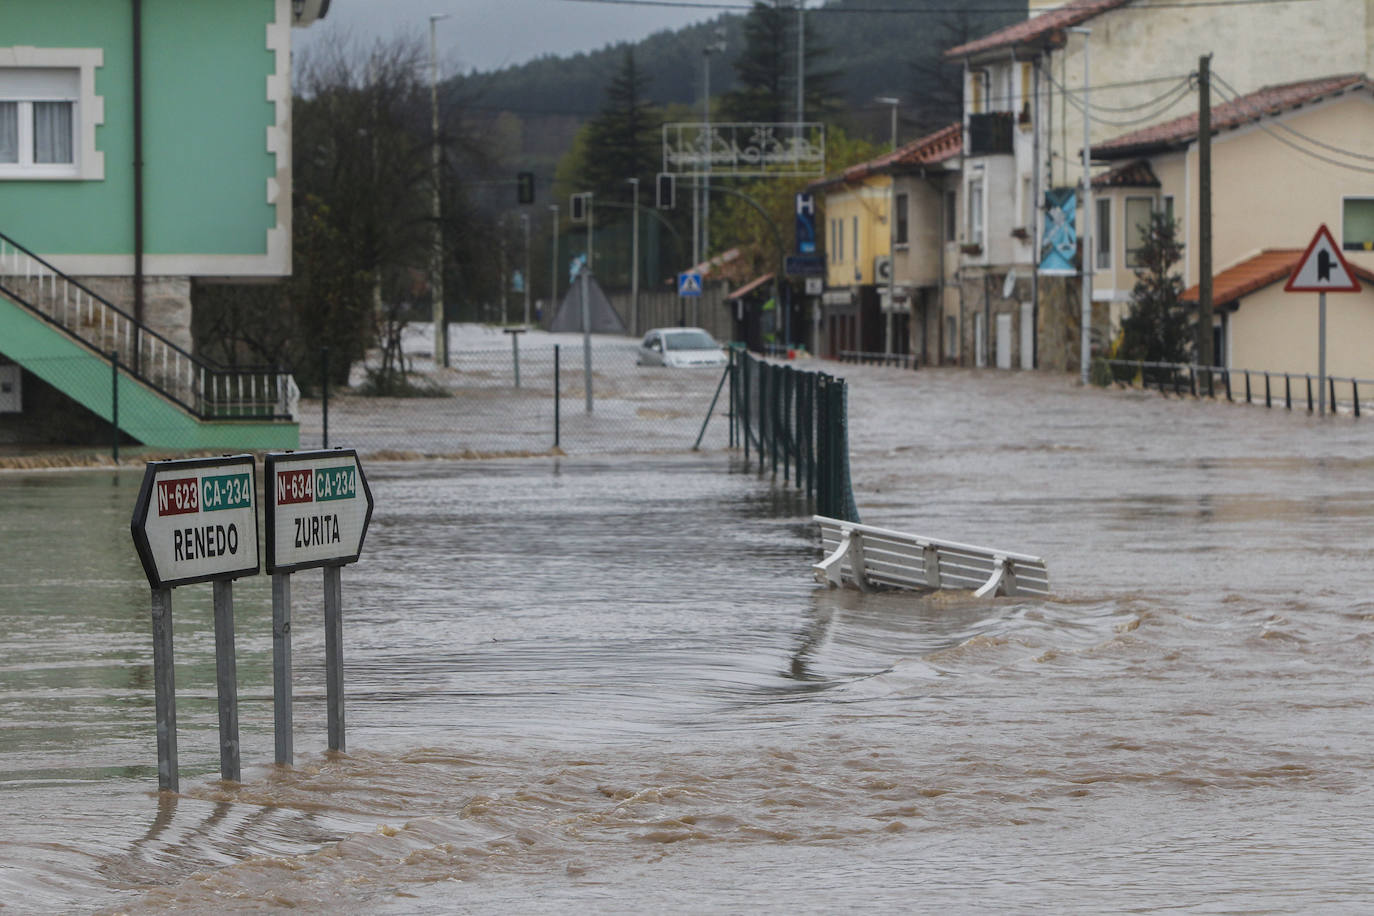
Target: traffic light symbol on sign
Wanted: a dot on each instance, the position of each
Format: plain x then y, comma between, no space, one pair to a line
524,183
666,189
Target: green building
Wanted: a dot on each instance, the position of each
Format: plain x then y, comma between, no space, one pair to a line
145,148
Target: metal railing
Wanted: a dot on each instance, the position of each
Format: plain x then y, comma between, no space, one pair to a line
206,390
797,420
901,360
1248,386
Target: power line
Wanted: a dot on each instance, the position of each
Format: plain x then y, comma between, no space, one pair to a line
1290,144
1166,101
1297,133
904,10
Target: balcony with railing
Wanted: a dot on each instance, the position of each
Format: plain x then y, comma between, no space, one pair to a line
991,134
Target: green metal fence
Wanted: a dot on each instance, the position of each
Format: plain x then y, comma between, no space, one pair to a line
795,422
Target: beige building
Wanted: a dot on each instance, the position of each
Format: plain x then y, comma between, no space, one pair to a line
1128,63
1285,161
890,251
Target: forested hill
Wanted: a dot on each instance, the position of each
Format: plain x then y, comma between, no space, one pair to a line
892,50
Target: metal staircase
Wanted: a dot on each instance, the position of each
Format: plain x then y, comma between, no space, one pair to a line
203,392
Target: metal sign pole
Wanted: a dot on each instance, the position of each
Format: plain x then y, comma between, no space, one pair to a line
333,655
281,666
164,689
226,680
1321,354
318,506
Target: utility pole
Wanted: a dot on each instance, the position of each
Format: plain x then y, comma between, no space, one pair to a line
801,65
1205,356
436,260
1088,260
634,257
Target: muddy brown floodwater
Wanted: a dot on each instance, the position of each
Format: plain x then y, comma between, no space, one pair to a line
609,684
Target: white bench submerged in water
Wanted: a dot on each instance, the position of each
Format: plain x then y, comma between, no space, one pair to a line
870,557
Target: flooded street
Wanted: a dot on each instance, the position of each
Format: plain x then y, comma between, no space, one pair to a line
608,683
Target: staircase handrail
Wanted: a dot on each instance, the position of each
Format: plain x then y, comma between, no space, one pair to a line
200,397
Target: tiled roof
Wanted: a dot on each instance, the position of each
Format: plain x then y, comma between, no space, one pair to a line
1267,102
749,287
945,143
1036,29
1255,273
1134,174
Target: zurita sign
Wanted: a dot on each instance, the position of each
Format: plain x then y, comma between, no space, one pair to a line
197,520
318,508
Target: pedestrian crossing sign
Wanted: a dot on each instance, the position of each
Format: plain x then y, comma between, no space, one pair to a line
689,284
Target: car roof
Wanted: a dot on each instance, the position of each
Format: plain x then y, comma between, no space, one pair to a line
679,331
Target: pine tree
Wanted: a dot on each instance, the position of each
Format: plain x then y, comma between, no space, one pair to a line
766,69
622,142
1158,328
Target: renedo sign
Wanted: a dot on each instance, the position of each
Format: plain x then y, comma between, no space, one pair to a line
197,520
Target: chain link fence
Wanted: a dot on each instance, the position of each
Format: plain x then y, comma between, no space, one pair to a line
797,422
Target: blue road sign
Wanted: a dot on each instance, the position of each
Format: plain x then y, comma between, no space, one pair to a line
806,223
804,265
689,284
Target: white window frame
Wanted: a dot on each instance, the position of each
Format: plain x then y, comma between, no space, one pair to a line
88,112
1345,200
976,224
1128,231
1102,234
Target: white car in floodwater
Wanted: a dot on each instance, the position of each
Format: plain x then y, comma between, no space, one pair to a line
680,347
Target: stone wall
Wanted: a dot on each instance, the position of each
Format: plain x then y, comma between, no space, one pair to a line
166,303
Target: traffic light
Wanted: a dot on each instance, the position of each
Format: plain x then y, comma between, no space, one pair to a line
665,191
524,184
577,208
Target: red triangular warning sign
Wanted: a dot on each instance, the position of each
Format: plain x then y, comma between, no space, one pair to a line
1322,268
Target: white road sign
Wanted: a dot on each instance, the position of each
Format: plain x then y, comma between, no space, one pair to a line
197,520
1323,268
318,506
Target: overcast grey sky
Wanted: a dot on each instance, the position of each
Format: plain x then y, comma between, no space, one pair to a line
488,34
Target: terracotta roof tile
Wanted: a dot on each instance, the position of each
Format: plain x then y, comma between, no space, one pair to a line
1037,28
945,143
749,287
1134,174
1266,102
1255,273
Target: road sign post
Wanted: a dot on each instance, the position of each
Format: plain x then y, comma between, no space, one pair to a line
317,509
1322,269
196,521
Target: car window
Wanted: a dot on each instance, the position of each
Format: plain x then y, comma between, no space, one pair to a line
690,340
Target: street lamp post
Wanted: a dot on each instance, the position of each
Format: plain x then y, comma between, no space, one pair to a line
891,229
553,270
587,305
436,260
525,218
634,256
715,47
1088,253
